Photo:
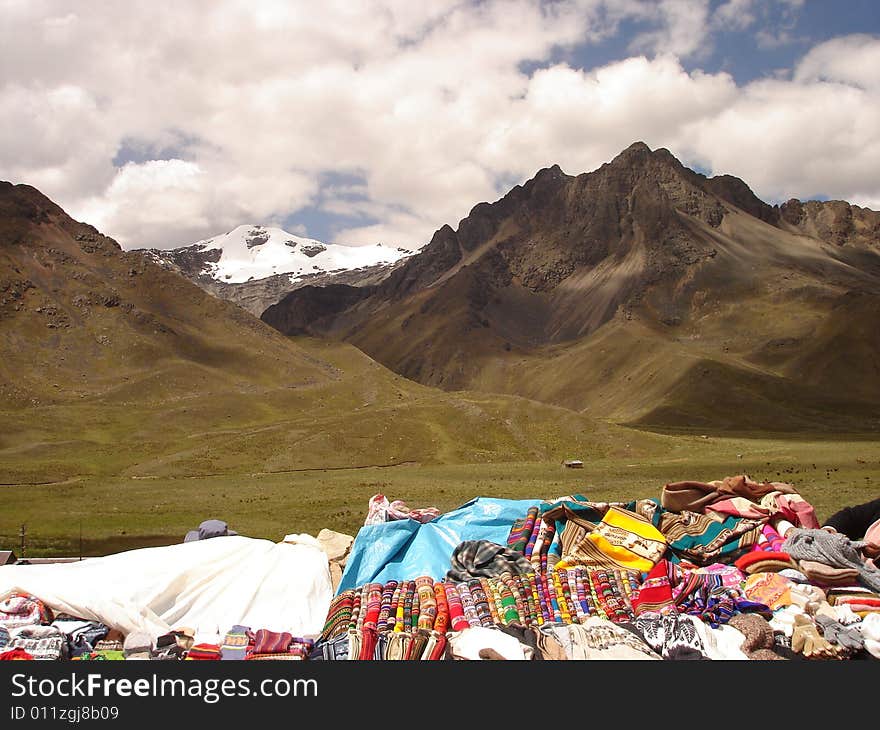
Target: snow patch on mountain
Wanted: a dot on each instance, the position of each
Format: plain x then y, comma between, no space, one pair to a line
255,252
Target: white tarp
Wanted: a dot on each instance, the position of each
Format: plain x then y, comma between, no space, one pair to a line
207,585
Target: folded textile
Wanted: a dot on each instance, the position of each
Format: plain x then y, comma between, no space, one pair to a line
758,561
81,635
380,510
21,609
481,558
598,638
827,575
522,530
619,539
832,549
271,642
771,589
138,645
655,593
41,642
203,652
794,575
696,496
15,654
468,643
236,643
702,539
870,630
672,635
334,649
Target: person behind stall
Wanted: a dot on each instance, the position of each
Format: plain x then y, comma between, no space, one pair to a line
209,529
858,522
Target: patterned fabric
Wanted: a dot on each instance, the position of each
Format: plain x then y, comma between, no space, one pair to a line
600,639
696,496
771,589
338,615
672,636
832,549
427,602
467,604
655,593
522,530
388,608
374,605
100,656
236,643
533,537
481,558
203,652
619,539
457,619
81,635
271,642
702,539
41,642
770,539
21,609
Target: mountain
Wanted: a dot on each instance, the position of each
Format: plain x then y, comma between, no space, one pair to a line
111,365
255,266
642,292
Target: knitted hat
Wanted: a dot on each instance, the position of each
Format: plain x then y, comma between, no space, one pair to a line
235,645
828,575
764,561
759,642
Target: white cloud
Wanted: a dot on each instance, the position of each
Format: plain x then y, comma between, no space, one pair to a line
426,105
683,30
852,59
734,15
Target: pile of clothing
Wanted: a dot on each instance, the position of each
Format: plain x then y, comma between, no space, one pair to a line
29,630
729,569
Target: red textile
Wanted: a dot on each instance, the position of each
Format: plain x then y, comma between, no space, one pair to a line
15,654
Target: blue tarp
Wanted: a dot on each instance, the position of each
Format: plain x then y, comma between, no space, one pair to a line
406,549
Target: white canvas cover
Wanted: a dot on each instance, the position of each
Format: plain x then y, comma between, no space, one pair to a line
208,585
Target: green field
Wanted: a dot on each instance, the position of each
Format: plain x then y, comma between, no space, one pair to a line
123,512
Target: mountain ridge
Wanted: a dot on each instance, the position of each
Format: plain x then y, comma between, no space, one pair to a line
255,265
640,249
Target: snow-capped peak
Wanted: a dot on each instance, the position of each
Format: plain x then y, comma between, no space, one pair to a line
255,252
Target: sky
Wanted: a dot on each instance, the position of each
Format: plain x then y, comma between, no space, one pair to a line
165,122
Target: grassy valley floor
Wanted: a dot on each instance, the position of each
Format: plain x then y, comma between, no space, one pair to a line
97,515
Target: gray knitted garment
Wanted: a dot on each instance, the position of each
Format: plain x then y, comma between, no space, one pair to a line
832,549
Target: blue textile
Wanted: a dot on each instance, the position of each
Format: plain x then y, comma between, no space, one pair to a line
405,549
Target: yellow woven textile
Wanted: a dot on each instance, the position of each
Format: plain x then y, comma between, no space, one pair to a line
622,539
